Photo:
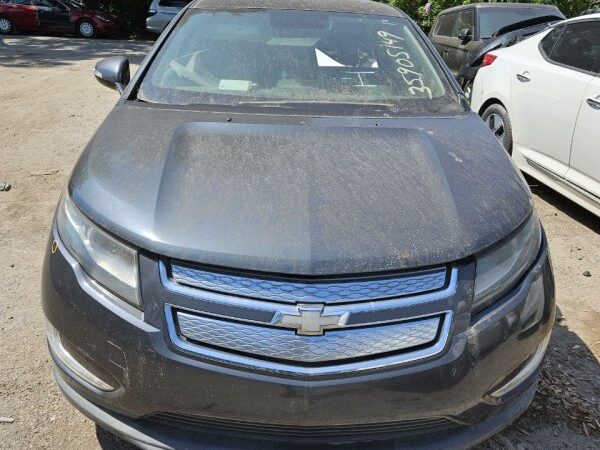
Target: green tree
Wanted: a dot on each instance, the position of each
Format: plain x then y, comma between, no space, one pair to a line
569,8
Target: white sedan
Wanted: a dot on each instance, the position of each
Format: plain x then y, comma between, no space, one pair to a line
541,97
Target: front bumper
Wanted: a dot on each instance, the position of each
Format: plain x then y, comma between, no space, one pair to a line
147,435
449,392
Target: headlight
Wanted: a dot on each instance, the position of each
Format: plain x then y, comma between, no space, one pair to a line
111,263
502,266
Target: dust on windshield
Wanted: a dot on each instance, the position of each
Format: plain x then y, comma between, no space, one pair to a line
273,57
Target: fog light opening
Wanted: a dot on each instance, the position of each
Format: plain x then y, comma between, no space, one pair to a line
65,358
525,372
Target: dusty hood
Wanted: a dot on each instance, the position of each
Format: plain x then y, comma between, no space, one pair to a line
299,196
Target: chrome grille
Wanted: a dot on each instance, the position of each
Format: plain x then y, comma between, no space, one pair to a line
283,344
326,292
277,325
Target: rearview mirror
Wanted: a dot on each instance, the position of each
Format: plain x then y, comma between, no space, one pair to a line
113,72
465,34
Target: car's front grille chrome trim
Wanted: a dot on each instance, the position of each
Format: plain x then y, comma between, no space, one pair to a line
331,291
284,344
388,304
261,363
309,338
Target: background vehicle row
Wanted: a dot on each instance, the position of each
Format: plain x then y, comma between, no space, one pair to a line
541,97
462,35
57,16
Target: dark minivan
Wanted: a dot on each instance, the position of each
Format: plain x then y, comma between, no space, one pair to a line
292,232
459,31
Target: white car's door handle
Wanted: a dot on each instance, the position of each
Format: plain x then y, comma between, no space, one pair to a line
594,102
524,77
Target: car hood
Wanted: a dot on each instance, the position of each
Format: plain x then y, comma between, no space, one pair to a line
303,196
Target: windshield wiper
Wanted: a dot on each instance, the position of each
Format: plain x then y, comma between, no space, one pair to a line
287,103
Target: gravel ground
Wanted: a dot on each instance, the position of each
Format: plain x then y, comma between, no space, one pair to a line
50,107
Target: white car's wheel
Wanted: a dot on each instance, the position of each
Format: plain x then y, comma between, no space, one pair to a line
6,25
497,119
86,29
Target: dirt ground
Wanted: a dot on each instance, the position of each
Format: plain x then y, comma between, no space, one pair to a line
50,106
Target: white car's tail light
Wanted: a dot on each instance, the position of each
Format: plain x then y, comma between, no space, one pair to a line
488,59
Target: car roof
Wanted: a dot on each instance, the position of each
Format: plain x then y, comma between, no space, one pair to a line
585,18
499,5
343,6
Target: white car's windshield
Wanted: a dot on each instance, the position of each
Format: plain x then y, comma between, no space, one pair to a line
277,57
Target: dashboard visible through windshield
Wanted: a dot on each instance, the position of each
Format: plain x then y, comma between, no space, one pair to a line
289,57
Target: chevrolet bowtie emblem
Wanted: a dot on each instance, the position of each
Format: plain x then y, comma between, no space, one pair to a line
310,320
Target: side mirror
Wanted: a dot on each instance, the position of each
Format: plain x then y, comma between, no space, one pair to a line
465,34
113,72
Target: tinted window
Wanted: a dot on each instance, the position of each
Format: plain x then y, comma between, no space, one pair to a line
465,20
491,20
578,46
447,24
549,41
277,57
451,24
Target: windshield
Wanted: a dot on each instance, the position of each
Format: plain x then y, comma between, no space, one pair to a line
288,57
492,20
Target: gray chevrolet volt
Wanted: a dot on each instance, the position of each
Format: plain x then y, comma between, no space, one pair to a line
291,232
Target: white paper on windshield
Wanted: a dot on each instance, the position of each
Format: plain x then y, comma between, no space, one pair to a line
235,85
293,42
326,61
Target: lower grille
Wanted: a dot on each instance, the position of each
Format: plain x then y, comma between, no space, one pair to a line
285,344
416,426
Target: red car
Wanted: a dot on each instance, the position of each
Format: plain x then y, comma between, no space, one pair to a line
62,16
